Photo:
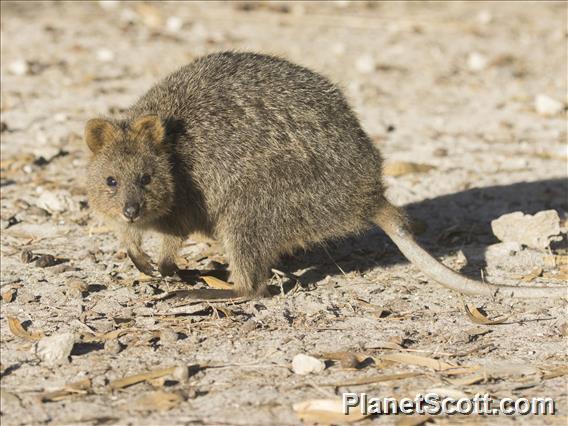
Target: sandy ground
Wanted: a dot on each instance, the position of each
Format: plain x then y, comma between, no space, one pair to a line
451,85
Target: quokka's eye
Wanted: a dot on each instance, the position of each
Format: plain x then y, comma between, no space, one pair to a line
111,181
146,179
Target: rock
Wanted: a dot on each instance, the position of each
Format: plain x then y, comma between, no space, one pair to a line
105,55
440,152
113,346
338,49
168,336
305,364
27,256
45,261
108,4
55,349
510,248
365,64
536,231
547,106
19,67
484,17
477,61
174,24
181,374
54,202
76,288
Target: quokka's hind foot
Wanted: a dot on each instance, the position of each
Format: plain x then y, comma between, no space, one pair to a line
249,277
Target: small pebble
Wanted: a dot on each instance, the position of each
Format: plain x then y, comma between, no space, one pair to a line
174,24
484,17
108,4
181,374
146,288
547,106
45,260
338,49
365,64
60,117
213,265
77,288
477,61
27,256
55,349
440,152
113,346
20,67
12,221
168,336
249,326
305,364
105,55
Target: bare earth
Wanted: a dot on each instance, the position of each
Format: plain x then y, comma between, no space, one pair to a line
450,85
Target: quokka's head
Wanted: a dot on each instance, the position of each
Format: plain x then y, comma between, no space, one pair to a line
130,174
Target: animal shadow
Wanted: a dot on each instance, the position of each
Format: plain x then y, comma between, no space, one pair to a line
456,221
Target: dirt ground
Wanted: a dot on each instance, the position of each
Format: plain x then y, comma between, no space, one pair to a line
452,85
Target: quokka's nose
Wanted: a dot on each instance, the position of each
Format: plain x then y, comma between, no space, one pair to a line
131,210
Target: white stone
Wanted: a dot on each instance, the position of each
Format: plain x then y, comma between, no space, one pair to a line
55,349
545,105
365,64
128,15
338,48
108,4
174,24
477,61
105,55
53,202
60,117
535,231
305,364
20,67
484,17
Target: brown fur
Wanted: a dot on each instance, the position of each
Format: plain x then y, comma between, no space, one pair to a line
262,154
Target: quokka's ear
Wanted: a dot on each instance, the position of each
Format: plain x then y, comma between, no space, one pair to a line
149,128
99,132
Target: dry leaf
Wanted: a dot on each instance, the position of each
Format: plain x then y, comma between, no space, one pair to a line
326,411
532,275
462,370
416,420
216,283
477,317
157,400
9,295
19,331
227,312
399,168
137,378
80,387
468,380
350,360
556,372
561,274
558,260
115,334
417,360
378,379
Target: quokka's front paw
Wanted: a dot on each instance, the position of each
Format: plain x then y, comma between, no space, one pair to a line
143,262
167,268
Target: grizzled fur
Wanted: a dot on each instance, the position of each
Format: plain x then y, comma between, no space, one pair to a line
264,155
